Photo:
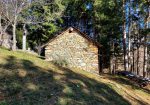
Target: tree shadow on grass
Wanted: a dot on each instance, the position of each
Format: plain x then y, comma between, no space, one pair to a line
126,81
29,84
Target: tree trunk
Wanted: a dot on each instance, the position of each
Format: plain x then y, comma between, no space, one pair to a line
111,58
111,65
133,65
129,55
14,37
1,30
145,53
114,59
129,40
145,58
100,57
39,49
138,60
124,37
24,38
138,52
14,47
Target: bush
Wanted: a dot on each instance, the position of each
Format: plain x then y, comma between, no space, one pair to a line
62,63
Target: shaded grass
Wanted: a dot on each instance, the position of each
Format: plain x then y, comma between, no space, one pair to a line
128,83
25,79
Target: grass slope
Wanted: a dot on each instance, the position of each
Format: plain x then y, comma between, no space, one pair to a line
26,79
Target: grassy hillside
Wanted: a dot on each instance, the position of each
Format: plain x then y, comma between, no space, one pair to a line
26,79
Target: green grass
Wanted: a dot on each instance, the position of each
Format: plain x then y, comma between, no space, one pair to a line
26,79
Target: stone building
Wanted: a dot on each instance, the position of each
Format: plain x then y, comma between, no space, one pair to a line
75,49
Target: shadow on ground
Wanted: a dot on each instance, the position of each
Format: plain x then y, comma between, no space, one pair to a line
24,83
126,81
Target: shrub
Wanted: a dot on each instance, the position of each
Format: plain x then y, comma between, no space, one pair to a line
60,62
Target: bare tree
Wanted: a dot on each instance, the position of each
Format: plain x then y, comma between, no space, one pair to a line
12,12
4,23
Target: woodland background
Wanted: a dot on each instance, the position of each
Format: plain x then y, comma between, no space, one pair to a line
121,26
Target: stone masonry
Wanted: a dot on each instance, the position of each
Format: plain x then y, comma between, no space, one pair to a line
76,50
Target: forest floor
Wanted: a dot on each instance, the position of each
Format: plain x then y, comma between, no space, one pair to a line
26,79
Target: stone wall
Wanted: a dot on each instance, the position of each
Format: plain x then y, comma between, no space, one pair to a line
75,50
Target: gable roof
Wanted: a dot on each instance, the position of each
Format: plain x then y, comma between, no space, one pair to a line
78,31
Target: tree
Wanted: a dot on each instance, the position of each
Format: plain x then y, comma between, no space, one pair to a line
129,21
137,33
44,22
124,35
147,19
27,18
12,12
108,27
4,23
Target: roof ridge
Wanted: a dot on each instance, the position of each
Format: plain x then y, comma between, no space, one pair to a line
81,33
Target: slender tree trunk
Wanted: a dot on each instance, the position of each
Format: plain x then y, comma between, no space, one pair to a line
129,40
129,54
111,58
124,36
138,60
145,53
133,65
138,52
14,34
133,60
145,57
114,60
39,48
111,65
24,38
1,33
14,37
101,60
